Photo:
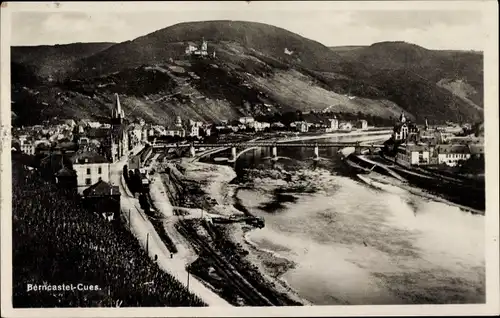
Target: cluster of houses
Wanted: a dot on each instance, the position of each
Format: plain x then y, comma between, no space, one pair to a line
436,146
198,50
323,125
79,154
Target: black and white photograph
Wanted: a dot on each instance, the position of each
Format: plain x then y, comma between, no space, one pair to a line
244,155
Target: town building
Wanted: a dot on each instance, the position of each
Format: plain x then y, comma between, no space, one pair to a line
452,155
444,137
134,135
66,178
178,121
476,150
334,124
27,145
90,167
345,126
277,125
70,123
413,154
362,124
246,120
258,126
401,129
207,131
194,131
94,124
177,131
302,126
201,50
195,123
104,199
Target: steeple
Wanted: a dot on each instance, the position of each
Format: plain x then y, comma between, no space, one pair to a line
117,111
402,118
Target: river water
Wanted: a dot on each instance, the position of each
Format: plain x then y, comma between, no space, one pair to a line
354,244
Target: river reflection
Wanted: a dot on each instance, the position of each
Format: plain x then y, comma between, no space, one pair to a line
353,244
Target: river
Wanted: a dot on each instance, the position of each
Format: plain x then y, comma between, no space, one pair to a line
354,244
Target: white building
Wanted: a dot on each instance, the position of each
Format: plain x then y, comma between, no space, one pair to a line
412,154
90,167
246,120
302,126
362,124
136,132
176,132
94,124
277,125
258,126
194,131
334,123
178,121
27,146
193,49
195,123
346,126
451,155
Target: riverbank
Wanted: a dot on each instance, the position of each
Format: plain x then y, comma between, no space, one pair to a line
215,183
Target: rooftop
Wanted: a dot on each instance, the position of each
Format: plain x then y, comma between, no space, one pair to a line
100,189
453,148
97,132
88,157
65,172
476,149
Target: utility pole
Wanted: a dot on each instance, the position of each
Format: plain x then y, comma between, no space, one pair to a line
147,243
129,220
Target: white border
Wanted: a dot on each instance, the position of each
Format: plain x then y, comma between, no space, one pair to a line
489,9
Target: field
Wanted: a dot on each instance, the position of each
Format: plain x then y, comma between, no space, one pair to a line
55,241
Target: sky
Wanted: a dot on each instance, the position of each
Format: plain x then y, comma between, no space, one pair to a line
460,29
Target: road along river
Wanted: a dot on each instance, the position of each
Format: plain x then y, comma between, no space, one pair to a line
346,242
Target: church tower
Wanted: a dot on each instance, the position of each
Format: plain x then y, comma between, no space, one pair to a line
402,118
204,46
117,114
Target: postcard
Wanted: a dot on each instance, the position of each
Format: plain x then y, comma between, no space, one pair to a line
249,158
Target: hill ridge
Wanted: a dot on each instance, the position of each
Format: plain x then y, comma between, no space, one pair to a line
265,64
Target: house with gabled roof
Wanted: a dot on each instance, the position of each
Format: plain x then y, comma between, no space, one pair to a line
104,199
66,178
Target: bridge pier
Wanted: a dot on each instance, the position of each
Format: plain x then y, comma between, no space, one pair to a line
274,152
192,151
316,152
233,154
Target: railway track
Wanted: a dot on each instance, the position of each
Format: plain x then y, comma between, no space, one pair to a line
251,296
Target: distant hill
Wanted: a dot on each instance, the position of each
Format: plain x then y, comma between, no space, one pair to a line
258,69
54,60
266,39
346,48
419,78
